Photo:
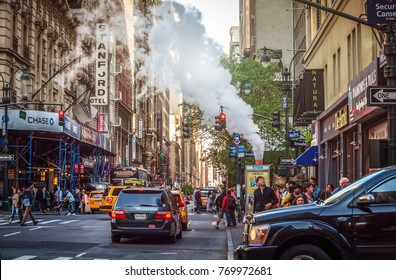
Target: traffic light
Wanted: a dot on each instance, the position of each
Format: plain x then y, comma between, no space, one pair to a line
220,121
223,120
186,128
276,119
61,116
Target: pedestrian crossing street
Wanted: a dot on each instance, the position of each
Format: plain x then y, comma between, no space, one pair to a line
41,221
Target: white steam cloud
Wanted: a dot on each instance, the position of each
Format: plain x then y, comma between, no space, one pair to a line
181,58
185,60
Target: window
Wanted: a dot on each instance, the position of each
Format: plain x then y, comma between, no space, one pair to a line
385,193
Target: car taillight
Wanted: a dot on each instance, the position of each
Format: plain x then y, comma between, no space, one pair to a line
163,215
109,199
118,214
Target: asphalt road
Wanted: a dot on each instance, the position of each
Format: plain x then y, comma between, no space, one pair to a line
87,237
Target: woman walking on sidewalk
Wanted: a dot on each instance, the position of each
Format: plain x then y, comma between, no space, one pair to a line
16,207
28,203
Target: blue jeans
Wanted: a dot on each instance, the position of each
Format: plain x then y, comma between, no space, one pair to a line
13,211
230,215
72,207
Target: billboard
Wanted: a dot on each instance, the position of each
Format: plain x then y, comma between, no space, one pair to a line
251,173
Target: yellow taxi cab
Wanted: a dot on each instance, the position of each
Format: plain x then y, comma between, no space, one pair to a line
95,200
182,204
109,198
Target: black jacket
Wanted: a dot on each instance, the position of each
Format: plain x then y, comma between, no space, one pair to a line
28,193
261,199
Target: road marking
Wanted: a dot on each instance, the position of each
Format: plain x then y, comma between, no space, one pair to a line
25,257
230,245
100,259
35,228
68,222
80,255
50,221
63,258
18,232
169,253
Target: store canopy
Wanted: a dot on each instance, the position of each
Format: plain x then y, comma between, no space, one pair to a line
309,157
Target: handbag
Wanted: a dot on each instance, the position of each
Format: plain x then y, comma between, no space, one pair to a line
26,202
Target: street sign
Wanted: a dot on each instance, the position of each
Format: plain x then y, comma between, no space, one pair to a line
6,157
237,139
241,149
381,12
293,134
286,160
381,96
249,154
232,154
232,148
298,143
284,102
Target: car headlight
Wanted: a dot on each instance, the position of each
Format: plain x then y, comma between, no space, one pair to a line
258,234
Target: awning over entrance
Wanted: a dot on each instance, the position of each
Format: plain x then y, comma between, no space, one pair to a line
309,157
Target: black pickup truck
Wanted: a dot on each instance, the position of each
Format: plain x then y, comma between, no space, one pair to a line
358,222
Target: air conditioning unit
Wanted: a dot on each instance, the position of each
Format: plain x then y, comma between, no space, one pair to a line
117,96
118,69
117,122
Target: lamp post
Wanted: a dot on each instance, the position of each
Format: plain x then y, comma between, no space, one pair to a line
6,101
286,87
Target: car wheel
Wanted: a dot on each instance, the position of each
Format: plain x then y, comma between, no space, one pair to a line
184,226
305,252
115,238
180,235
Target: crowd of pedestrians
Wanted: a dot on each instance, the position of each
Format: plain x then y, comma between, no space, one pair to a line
26,200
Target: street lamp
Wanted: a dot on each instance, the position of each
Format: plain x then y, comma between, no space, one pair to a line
6,101
286,88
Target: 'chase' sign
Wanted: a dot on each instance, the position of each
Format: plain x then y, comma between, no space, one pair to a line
33,120
381,11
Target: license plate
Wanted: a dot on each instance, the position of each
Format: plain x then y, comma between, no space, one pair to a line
140,216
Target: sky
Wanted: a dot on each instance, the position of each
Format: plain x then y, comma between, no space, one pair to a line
217,16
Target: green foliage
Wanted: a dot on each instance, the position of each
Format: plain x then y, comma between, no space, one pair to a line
186,189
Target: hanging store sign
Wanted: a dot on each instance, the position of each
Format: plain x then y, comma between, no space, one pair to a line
357,96
102,66
35,120
72,128
103,123
381,11
89,135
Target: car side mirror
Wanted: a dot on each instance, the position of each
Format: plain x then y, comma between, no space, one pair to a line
366,199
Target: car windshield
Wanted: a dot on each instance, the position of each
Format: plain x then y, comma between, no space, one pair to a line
347,190
96,195
148,199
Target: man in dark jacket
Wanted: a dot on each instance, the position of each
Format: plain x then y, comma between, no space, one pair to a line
264,197
28,203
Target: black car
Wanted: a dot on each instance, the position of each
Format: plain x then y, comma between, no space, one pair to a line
144,212
358,222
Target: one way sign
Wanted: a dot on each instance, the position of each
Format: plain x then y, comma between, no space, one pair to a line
381,96
6,157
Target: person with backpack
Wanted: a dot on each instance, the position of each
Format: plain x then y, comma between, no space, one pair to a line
28,203
198,200
229,204
219,207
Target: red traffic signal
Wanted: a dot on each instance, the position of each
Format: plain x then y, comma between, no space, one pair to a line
61,116
223,117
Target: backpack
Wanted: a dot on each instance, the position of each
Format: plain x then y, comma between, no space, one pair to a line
231,202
